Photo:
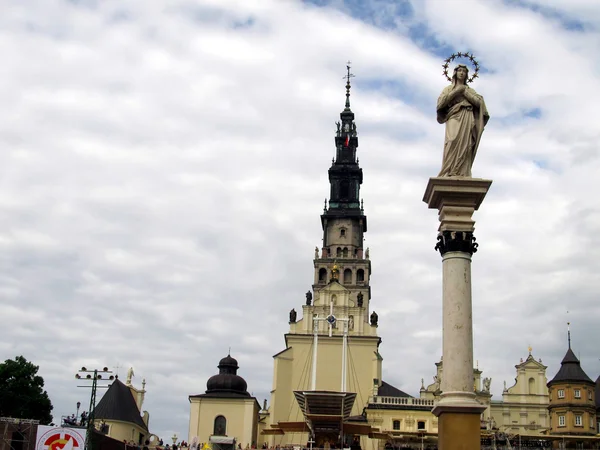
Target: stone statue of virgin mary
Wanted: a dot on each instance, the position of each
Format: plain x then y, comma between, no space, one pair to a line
465,115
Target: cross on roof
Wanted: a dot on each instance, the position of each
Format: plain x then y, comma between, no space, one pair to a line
348,74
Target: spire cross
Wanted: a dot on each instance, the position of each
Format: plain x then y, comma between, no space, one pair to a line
347,77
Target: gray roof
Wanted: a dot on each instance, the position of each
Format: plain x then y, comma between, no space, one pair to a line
387,390
570,370
118,404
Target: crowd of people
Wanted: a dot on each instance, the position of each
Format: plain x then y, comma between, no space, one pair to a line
74,421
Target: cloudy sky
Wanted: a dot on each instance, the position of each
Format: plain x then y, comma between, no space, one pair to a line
163,165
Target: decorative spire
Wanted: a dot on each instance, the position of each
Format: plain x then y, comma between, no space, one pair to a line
569,333
347,77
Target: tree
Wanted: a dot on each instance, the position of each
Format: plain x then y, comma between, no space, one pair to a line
21,391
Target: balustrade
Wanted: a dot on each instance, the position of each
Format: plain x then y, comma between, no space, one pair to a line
406,401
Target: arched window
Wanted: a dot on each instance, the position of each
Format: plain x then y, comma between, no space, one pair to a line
347,276
322,274
338,252
531,386
360,276
345,252
220,427
342,232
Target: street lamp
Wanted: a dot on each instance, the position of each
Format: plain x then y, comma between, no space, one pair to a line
77,413
94,376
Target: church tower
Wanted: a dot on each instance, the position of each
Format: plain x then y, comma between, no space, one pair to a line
332,350
344,222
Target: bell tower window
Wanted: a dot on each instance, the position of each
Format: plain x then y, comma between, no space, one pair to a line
344,189
343,232
347,276
360,276
345,252
338,252
322,275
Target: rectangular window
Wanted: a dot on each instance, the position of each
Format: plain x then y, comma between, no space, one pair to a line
589,395
577,393
396,424
591,422
420,425
561,393
578,420
561,421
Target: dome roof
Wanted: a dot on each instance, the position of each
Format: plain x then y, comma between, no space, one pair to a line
229,362
227,381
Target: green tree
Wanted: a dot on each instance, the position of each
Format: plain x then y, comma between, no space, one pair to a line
21,391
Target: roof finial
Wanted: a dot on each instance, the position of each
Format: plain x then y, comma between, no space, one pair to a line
347,77
569,333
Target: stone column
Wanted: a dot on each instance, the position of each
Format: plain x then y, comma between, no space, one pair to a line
458,411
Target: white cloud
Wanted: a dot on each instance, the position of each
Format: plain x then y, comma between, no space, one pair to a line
164,166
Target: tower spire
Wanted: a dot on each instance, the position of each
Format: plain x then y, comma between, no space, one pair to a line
347,77
569,333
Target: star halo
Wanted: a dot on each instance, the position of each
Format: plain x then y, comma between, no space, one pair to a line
467,55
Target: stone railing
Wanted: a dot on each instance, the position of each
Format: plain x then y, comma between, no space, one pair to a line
402,401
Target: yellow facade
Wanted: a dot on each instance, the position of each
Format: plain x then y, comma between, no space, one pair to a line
241,416
524,406
293,367
573,408
124,431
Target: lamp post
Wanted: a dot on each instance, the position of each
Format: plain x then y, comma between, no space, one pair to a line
174,438
77,413
94,376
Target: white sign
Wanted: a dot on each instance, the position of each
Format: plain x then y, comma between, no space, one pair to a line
59,438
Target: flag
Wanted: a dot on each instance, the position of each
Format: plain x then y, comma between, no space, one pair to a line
347,143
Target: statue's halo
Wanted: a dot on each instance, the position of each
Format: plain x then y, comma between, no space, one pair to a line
467,55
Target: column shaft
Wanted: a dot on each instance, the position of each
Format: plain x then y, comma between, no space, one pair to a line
457,380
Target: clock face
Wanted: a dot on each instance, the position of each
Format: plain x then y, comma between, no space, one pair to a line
331,319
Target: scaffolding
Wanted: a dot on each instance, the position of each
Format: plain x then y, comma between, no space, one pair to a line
18,434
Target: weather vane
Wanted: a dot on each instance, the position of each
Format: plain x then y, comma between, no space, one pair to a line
348,75
452,57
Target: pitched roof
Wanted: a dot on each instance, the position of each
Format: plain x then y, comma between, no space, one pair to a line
570,370
118,404
387,390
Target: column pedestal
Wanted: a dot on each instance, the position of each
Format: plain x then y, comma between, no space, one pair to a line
458,411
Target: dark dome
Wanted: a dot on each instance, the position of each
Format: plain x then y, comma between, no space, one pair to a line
227,381
228,361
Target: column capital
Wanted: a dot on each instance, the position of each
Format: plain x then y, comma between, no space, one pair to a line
456,241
